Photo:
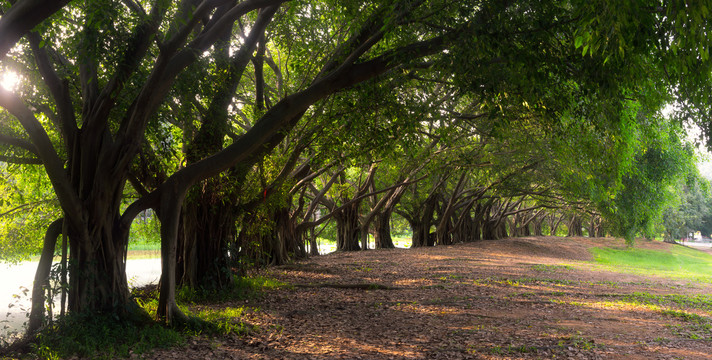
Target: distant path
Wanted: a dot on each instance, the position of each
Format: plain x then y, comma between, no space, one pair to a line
706,247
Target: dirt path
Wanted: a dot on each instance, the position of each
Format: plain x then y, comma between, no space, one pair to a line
533,298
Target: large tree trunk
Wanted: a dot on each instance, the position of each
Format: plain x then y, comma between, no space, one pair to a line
208,229
292,240
347,228
98,270
382,236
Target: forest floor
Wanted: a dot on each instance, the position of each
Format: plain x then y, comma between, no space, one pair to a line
523,298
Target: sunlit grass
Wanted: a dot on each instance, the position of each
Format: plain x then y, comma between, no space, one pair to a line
680,262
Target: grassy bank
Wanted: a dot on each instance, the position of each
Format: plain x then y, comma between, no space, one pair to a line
678,262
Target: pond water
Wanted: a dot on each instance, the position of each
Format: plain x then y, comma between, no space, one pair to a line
16,287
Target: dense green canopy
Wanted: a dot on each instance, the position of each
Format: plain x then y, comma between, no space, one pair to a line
246,125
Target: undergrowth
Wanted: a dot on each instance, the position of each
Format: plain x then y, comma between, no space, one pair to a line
102,337
242,288
105,336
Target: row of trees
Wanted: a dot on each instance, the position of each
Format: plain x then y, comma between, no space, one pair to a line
245,125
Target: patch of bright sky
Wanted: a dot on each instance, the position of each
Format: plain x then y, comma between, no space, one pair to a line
704,157
694,136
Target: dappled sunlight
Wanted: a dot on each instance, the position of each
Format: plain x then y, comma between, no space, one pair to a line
415,282
333,346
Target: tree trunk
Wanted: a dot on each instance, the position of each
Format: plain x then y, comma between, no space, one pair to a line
347,228
41,283
519,226
443,232
364,236
97,268
575,226
494,229
600,231
537,226
291,240
313,246
463,231
170,204
208,229
554,223
478,222
421,231
382,236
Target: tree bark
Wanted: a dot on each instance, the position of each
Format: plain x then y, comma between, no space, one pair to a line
575,226
421,227
347,228
208,230
382,236
41,283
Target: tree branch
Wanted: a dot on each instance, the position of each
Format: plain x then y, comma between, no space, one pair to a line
21,143
22,17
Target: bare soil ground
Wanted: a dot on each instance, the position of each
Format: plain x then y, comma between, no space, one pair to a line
524,298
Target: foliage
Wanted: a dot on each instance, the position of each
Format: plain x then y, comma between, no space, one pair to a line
530,105
693,212
27,207
241,288
648,187
145,230
102,336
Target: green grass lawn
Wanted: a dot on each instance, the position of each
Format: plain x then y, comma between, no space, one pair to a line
144,250
679,262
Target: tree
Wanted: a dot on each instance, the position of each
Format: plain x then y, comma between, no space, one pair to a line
107,69
692,211
647,189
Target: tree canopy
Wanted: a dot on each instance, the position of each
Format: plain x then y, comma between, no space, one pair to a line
238,121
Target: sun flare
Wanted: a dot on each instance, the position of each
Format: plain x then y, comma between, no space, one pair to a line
9,80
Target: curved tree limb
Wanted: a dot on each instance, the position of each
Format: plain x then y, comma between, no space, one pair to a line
22,17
